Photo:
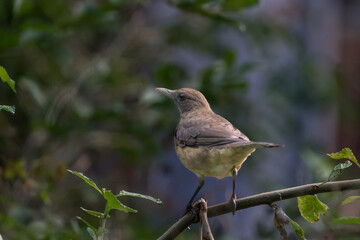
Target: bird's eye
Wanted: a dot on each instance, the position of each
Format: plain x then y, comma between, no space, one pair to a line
181,97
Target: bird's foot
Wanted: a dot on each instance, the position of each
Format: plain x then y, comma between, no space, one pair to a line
233,203
189,208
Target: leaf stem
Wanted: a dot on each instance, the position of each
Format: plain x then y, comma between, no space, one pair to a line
102,225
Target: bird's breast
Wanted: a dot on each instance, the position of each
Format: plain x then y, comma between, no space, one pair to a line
212,161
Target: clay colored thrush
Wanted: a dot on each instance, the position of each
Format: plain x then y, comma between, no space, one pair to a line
206,143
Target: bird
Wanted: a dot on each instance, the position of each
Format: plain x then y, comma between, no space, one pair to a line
206,143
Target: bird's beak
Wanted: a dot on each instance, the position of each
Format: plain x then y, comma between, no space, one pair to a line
166,92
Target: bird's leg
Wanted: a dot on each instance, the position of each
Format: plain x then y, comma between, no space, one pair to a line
189,206
233,196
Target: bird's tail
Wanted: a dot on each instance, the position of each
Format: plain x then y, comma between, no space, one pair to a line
266,144
249,144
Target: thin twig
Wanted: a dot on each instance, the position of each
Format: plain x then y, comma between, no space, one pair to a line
201,230
205,228
199,207
260,199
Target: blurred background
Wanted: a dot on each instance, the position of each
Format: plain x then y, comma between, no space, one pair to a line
283,71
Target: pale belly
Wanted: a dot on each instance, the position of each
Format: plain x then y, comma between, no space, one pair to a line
213,162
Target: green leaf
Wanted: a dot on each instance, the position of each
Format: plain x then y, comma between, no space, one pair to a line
342,166
114,203
310,207
298,230
344,153
92,233
87,224
338,169
350,199
87,180
5,78
347,220
10,109
237,5
125,193
93,213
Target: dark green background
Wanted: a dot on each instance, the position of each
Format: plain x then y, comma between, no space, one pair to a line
85,72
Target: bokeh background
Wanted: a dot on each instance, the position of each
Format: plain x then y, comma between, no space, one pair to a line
283,71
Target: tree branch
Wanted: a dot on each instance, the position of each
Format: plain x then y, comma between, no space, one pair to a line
205,231
260,199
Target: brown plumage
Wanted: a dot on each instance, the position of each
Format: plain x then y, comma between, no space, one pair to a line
206,143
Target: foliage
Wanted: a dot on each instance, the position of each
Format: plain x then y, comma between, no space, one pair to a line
338,169
10,109
347,154
85,73
311,207
347,220
111,203
125,193
281,219
87,180
344,153
5,78
350,199
298,230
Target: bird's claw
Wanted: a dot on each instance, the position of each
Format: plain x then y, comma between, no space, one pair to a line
189,208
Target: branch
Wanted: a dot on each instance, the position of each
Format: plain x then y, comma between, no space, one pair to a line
260,199
205,231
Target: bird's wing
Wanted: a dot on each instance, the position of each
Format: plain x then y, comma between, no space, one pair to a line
250,144
211,130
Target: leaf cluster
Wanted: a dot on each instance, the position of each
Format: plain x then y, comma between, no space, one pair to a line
311,207
112,203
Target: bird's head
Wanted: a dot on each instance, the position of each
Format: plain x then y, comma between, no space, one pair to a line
186,99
